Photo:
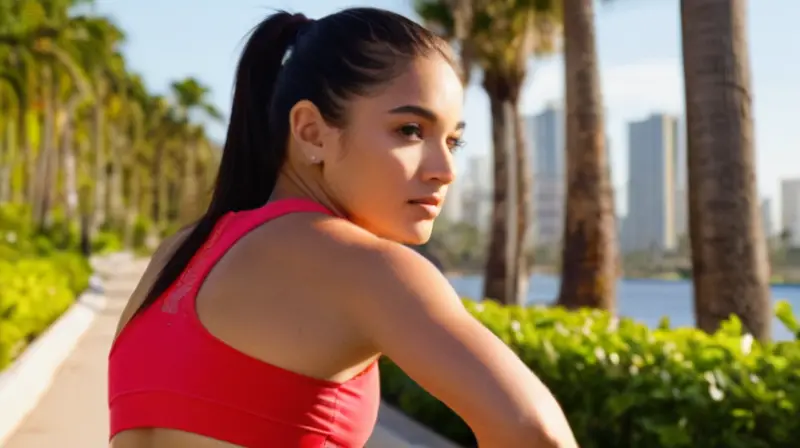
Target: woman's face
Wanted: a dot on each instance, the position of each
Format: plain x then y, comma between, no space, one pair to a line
395,156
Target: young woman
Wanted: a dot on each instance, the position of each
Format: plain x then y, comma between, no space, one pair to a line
260,326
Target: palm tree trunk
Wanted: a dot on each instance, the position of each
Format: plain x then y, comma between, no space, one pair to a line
98,217
115,198
85,206
15,192
590,253
6,140
160,187
70,164
28,153
44,168
523,200
188,205
16,137
173,193
21,146
30,159
729,256
132,212
498,278
54,194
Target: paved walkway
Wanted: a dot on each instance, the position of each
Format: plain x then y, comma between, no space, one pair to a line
73,413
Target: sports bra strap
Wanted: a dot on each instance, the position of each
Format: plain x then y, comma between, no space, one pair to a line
229,230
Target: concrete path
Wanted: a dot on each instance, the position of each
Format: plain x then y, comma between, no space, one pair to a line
73,413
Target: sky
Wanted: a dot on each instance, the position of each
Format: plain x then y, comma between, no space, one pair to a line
638,43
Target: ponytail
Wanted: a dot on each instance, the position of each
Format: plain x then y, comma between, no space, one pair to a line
252,156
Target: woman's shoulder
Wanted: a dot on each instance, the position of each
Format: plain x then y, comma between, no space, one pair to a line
329,237
158,260
331,245
345,251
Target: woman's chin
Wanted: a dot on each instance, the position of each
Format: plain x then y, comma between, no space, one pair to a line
418,233
411,233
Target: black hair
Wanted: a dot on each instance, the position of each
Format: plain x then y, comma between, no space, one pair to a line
290,58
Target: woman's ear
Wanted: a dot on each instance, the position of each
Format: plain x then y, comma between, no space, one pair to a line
308,128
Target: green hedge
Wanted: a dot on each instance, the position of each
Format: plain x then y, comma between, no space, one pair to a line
41,274
623,384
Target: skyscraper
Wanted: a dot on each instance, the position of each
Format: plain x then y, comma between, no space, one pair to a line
790,210
453,208
681,212
766,218
681,191
652,184
476,193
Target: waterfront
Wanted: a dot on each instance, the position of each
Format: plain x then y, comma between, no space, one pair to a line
642,299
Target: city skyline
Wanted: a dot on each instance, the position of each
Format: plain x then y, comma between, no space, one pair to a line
658,170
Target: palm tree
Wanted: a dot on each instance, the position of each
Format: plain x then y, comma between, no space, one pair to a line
729,255
81,135
590,254
501,38
105,67
192,97
15,106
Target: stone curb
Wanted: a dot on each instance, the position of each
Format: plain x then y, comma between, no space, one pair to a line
27,379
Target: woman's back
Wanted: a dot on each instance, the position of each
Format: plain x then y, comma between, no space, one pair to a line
286,352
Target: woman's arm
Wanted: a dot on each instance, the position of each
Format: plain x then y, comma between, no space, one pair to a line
411,313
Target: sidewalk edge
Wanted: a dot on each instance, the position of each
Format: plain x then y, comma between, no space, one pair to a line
27,379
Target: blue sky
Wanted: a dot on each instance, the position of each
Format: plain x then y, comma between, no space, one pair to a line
638,41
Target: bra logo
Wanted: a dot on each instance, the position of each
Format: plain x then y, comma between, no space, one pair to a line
188,278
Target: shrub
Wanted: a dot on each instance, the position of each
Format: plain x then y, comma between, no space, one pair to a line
40,276
623,384
75,268
34,292
106,242
142,227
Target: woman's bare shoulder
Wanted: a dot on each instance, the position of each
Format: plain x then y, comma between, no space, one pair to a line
158,260
357,258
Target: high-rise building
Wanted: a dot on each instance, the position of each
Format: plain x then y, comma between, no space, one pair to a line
453,208
766,218
681,190
546,146
790,210
652,182
476,193
681,212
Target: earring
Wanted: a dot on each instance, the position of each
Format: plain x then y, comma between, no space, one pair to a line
314,160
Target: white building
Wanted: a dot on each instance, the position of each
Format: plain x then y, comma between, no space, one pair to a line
476,193
453,208
652,184
790,210
546,140
766,218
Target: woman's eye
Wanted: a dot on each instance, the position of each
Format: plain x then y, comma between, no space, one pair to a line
455,143
411,131
414,132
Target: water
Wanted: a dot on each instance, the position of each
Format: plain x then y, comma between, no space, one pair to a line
645,300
